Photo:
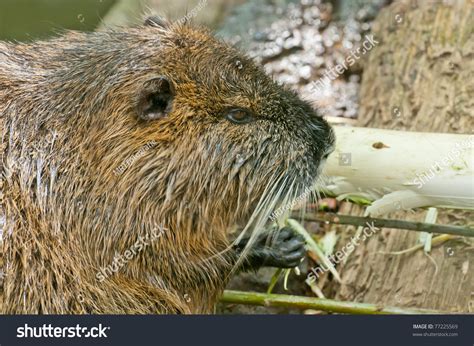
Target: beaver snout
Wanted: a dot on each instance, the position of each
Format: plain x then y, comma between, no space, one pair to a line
316,133
322,137
331,143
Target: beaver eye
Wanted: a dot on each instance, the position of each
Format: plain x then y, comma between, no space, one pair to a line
239,116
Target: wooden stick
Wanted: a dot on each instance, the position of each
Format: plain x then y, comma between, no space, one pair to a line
400,170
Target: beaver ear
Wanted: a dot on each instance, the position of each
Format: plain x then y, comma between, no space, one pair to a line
157,22
155,99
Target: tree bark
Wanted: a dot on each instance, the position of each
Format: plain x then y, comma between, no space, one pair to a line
420,77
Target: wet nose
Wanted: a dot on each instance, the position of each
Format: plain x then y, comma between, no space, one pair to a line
323,135
331,145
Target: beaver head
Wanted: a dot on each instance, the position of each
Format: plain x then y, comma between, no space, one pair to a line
212,134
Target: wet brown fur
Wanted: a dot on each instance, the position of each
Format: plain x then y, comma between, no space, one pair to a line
68,117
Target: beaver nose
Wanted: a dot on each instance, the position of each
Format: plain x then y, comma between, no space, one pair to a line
322,135
331,140
320,128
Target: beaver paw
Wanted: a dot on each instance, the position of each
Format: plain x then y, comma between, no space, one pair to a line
285,249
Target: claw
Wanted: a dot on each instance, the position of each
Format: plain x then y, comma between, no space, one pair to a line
282,249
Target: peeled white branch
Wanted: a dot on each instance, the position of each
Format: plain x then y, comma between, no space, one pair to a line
393,170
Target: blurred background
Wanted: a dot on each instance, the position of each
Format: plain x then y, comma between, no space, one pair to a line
30,19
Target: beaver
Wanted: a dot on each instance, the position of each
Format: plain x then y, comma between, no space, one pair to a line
139,169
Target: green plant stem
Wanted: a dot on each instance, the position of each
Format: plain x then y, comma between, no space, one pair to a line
329,305
387,223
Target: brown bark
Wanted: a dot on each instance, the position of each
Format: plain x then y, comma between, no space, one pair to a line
420,77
